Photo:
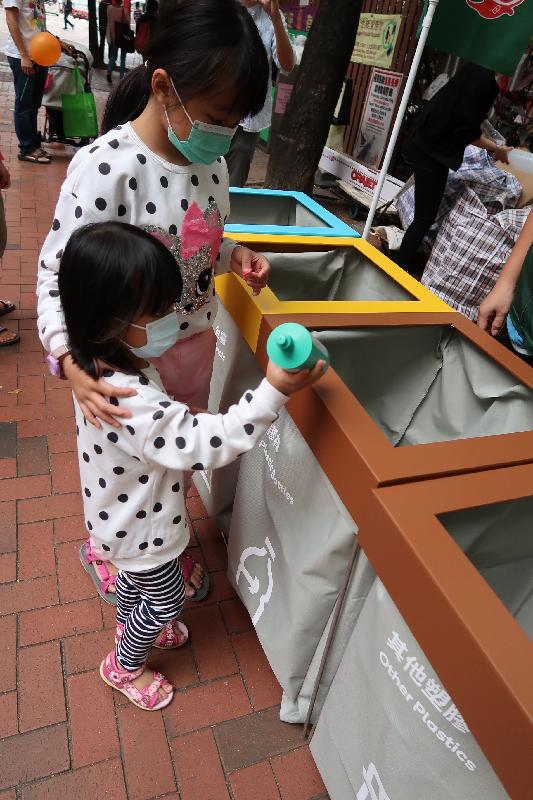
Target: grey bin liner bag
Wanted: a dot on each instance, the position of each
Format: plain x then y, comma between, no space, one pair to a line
388,729
498,540
261,210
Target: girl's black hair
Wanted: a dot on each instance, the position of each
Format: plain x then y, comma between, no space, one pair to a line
201,44
111,273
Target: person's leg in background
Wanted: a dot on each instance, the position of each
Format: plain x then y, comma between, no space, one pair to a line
429,190
101,49
7,336
239,157
23,110
111,59
37,99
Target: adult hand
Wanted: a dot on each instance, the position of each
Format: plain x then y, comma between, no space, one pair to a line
271,7
253,267
494,308
501,153
90,395
5,177
27,65
290,382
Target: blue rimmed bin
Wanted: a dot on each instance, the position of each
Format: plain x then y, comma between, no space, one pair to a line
280,212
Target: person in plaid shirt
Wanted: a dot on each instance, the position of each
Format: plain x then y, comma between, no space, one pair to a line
512,297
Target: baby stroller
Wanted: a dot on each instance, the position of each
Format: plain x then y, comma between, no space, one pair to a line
60,81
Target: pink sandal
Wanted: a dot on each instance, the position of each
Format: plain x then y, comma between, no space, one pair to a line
98,572
120,679
175,634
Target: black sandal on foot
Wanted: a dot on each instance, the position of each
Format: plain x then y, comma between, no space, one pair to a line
15,337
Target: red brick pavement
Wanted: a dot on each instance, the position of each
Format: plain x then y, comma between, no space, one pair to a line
63,732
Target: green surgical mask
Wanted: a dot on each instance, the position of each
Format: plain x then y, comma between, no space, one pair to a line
205,142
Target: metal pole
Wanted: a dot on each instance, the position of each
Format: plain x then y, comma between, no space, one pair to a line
401,113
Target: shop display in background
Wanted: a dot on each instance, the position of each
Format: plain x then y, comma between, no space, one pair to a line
299,17
378,113
376,39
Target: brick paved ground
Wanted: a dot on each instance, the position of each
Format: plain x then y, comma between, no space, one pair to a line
64,733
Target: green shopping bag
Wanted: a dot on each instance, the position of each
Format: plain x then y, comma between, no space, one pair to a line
79,110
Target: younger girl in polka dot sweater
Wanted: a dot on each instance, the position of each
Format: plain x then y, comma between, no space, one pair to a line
159,167
118,286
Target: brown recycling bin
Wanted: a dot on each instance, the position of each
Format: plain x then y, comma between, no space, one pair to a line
456,556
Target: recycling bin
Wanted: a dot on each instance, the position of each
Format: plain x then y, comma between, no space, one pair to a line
433,696
279,212
401,402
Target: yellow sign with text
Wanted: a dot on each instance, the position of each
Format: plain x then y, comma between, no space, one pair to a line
376,39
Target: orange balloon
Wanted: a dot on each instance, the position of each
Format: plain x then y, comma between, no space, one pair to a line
44,49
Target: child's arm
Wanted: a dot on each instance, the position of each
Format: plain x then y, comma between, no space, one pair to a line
179,440
494,308
282,51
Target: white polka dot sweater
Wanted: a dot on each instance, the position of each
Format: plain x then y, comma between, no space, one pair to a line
118,178
132,478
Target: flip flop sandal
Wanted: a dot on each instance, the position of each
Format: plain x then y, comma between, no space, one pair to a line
120,679
175,634
6,306
98,573
188,563
35,158
15,337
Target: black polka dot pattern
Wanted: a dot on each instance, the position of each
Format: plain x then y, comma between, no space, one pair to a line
249,428
113,401
248,397
173,230
158,542
194,422
141,158
118,470
159,443
104,168
165,403
121,210
113,437
130,429
175,487
98,450
141,514
121,534
194,180
216,179
143,380
158,415
103,515
197,466
86,458
216,441
77,431
94,149
87,492
180,442
151,208
78,211
163,181
89,525
122,498
132,183
106,548
59,255
177,520
54,293
102,483
143,545
184,326
143,479
157,507
56,225
114,144
210,199
100,204
185,204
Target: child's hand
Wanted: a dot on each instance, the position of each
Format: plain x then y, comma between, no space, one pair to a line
252,267
290,382
91,395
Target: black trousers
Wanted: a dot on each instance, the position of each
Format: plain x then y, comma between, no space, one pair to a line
430,182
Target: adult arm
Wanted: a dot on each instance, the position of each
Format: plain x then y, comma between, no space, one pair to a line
494,308
282,50
12,19
499,152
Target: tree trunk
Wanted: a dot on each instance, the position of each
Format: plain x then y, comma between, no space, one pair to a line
93,32
305,125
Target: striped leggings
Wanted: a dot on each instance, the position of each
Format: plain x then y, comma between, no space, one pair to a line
146,601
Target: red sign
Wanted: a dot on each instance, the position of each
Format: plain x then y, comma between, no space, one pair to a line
492,9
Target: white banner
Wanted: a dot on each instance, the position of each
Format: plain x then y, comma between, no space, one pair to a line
357,175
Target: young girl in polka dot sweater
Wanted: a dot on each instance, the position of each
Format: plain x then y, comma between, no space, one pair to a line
118,287
160,167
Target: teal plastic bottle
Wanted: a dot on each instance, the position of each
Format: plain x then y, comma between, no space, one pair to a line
291,347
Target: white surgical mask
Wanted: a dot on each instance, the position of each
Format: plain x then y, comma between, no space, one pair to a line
161,335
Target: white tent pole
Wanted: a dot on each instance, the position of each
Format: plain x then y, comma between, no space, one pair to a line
401,113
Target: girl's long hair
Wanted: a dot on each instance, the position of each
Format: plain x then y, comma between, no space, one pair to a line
201,44
111,273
